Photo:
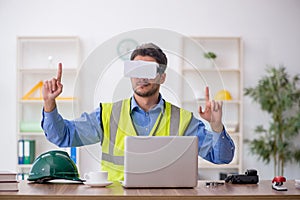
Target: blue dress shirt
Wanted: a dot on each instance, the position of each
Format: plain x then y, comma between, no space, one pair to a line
214,147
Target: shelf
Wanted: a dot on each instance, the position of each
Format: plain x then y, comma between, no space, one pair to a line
223,73
31,134
217,166
46,38
24,166
37,61
46,71
41,101
203,101
219,69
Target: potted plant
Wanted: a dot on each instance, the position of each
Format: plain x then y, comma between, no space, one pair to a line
279,96
210,56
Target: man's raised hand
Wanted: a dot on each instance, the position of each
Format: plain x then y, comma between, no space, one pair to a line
212,112
52,89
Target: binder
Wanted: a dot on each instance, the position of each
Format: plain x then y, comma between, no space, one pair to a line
20,152
73,154
29,151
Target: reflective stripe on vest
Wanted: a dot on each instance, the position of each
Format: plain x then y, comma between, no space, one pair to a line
117,123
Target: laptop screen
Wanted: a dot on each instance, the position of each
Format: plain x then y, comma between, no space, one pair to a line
168,161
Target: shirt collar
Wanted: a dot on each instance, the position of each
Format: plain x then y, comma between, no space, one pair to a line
160,105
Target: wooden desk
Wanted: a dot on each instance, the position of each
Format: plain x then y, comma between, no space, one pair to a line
262,190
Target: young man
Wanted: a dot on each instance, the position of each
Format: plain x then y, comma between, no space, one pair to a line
145,113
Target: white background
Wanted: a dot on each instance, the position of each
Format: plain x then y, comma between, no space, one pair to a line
270,30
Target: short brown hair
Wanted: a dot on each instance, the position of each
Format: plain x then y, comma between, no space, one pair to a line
152,50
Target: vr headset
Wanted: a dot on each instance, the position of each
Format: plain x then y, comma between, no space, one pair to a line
142,69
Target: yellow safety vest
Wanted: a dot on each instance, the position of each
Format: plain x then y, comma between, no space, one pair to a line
117,123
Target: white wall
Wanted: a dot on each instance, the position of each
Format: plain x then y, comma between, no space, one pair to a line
270,30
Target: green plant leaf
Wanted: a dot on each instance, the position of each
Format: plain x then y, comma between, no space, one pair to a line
210,55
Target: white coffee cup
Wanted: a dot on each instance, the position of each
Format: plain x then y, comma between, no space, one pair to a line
96,177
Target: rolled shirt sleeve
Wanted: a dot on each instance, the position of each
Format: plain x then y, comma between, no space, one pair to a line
66,133
217,148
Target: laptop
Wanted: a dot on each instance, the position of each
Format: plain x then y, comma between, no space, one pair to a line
160,162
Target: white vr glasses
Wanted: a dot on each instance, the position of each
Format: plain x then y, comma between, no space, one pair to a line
142,69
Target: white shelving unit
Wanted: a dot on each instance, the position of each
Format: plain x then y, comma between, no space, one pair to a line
37,60
225,72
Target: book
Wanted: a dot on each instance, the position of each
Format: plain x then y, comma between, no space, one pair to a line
8,176
9,185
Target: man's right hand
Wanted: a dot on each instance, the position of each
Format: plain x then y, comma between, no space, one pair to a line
52,89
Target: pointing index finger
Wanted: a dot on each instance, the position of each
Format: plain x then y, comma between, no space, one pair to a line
206,93
59,72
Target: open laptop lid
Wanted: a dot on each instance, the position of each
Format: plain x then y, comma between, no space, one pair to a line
168,161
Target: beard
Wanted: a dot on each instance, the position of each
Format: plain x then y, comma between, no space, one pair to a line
147,93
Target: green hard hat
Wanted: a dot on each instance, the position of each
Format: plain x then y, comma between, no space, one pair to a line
51,165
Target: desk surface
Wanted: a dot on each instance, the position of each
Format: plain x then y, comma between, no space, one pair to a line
262,190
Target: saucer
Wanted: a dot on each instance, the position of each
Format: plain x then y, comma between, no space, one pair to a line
98,184
64,181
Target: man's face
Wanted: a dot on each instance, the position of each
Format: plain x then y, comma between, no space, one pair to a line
146,87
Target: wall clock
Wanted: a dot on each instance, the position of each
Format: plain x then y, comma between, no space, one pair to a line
125,48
